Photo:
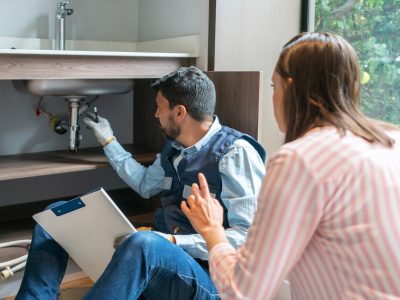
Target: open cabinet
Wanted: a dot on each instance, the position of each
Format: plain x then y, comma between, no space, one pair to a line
61,175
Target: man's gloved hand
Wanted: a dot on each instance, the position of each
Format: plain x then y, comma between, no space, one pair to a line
102,130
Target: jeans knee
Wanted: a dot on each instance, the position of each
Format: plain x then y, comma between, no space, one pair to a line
143,241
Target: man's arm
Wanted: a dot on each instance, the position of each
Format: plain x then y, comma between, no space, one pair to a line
146,181
241,171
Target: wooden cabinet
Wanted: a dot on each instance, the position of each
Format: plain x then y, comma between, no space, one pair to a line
49,173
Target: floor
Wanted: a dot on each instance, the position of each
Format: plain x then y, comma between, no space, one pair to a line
74,287
72,290
75,281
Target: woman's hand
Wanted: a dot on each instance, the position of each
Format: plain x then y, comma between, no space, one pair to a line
205,213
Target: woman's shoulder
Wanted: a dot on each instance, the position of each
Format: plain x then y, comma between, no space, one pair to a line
320,139
325,148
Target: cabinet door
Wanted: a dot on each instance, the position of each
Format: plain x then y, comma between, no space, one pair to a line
239,97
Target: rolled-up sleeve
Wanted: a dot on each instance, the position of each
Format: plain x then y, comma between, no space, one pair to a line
146,181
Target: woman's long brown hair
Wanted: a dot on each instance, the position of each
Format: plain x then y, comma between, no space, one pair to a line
324,88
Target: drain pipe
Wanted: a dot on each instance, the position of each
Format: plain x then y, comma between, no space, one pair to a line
74,136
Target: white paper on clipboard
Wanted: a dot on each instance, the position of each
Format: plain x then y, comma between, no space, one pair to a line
86,228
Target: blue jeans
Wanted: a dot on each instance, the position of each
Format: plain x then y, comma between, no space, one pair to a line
145,264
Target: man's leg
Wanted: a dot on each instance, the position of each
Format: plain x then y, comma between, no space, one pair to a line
45,266
148,263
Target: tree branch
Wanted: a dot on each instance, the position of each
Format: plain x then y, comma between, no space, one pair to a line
345,8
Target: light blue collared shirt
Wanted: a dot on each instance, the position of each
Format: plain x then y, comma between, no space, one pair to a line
241,169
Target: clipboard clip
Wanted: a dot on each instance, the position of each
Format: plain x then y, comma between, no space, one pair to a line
68,207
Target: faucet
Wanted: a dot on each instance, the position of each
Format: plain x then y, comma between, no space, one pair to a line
61,12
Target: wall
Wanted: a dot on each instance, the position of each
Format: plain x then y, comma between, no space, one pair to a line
91,20
249,36
105,20
166,19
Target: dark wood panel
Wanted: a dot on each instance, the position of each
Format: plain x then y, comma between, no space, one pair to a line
139,211
146,129
57,186
14,66
238,100
212,15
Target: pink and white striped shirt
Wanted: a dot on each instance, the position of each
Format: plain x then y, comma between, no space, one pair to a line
328,219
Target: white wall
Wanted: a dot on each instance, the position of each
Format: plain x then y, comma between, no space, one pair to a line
249,36
104,20
101,20
166,19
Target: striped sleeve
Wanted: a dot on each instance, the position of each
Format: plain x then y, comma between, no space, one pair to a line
289,209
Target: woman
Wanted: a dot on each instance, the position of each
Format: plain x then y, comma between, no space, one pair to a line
329,208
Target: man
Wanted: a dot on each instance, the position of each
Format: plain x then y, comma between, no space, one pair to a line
171,261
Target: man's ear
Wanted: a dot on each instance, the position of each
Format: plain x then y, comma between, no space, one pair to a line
180,113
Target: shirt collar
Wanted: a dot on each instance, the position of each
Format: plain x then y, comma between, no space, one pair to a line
215,127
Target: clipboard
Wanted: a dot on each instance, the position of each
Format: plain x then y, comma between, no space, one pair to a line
86,228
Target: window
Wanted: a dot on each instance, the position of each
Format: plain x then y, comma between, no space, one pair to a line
373,28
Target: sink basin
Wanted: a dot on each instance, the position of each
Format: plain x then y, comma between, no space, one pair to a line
73,87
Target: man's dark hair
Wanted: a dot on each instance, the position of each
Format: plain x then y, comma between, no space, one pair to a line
190,87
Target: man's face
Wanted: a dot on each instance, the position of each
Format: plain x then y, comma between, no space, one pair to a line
165,117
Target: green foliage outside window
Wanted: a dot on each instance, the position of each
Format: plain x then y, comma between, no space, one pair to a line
373,28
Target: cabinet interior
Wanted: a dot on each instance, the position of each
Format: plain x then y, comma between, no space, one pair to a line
238,102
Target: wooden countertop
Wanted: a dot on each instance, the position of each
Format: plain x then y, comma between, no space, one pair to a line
53,64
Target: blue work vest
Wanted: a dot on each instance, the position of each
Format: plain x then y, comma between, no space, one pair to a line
177,184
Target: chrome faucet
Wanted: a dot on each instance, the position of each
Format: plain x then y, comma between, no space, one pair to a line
61,12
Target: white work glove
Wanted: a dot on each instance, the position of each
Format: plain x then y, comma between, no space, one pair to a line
102,130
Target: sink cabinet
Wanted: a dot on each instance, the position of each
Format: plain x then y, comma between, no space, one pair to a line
60,174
